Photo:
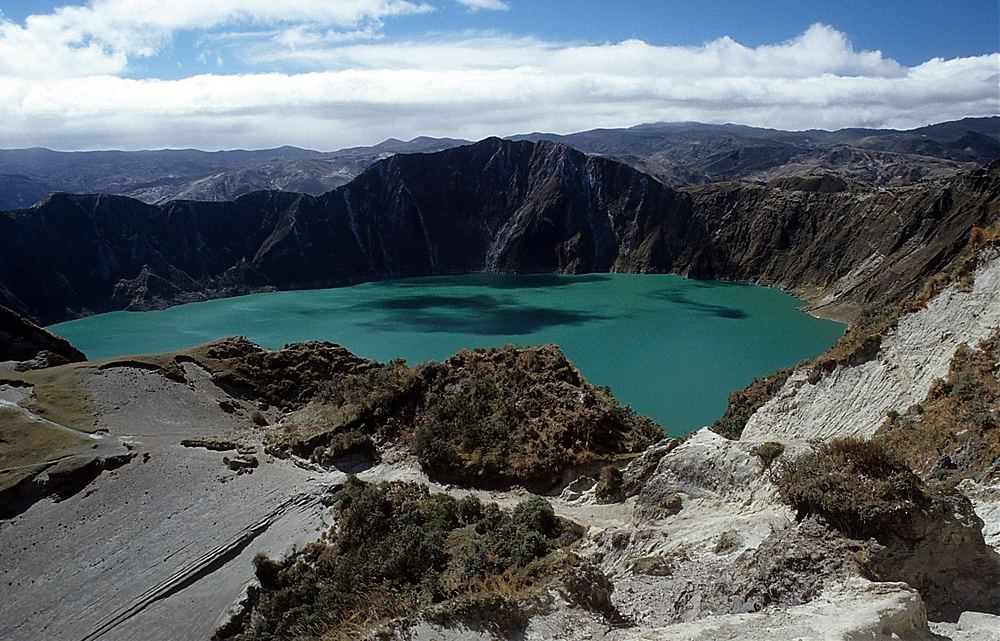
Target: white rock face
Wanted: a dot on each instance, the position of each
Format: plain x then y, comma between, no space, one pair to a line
986,501
987,626
851,612
856,610
853,401
971,626
723,489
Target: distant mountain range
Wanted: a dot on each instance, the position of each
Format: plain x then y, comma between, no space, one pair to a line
677,154
27,175
692,153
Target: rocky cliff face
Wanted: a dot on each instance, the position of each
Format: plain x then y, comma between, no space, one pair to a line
496,205
493,206
844,249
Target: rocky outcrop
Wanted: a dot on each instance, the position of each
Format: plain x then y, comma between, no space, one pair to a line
286,378
487,418
58,479
944,557
821,183
972,626
493,206
849,612
23,341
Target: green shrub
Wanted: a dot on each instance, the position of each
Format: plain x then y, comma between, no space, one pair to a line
860,487
967,387
768,452
470,509
397,549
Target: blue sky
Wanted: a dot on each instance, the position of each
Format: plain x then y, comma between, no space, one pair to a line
329,73
910,31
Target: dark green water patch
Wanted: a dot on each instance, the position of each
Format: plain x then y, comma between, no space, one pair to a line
484,314
672,348
678,297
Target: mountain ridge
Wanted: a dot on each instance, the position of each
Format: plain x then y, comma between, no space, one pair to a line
677,154
497,205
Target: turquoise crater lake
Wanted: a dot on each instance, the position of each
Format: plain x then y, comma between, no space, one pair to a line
672,348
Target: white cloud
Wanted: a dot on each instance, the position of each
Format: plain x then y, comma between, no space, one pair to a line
491,85
99,38
489,5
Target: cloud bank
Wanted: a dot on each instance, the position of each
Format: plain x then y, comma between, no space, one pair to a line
65,83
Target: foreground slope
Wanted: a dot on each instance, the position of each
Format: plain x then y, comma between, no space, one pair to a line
161,546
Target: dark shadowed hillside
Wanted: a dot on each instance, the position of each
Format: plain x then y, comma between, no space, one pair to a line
494,206
22,340
497,206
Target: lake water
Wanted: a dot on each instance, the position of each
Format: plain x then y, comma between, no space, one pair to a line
672,348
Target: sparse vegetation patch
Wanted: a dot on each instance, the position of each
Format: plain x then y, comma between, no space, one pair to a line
954,433
398,549
745,402
768,452
482,418
860,487
506,416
